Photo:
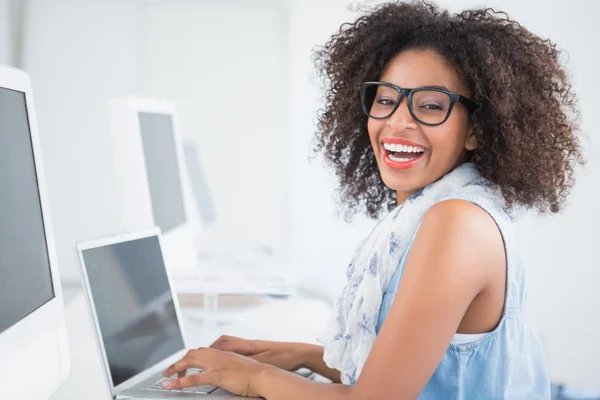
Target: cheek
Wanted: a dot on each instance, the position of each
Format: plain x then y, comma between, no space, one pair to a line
447,140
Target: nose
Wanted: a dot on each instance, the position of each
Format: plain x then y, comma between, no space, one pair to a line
402,118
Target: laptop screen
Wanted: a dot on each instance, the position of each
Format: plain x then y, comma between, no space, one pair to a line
133,304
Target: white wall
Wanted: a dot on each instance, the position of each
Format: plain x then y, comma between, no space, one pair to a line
5,33
224,65
79,54
563,273
77,63
322,242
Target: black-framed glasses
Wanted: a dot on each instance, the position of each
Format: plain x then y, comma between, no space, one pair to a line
429,106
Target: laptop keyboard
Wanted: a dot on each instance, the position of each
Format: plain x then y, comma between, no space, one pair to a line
202,389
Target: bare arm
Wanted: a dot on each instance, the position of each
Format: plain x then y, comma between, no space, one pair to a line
276,384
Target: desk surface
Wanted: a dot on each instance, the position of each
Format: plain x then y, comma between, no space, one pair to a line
266,318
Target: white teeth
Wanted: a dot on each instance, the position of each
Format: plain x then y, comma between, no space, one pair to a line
403,148
399,159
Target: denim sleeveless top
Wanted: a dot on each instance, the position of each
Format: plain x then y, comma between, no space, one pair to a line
509,362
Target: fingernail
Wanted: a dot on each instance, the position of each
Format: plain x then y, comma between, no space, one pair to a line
167,385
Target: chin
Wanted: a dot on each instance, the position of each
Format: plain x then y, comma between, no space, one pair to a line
403,184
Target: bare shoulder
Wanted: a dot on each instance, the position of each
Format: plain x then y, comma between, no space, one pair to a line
457,213
461,218
464,232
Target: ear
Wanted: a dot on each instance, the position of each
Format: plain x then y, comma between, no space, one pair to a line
471,143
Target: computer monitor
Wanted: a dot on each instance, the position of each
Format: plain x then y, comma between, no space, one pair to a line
202,194
154,187
33,334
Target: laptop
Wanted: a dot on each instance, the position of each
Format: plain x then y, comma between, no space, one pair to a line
136,316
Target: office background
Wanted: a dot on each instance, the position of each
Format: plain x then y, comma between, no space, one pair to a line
241,75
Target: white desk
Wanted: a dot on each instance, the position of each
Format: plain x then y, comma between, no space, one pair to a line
293,319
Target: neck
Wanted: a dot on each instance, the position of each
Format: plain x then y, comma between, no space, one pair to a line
401,197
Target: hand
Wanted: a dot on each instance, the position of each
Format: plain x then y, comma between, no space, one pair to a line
233,372
287,356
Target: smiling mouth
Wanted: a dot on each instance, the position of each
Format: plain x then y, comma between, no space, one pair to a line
402,153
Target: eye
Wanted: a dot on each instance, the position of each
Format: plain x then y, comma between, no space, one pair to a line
432,106
385,102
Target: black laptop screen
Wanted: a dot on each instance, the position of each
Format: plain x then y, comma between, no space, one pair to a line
133,304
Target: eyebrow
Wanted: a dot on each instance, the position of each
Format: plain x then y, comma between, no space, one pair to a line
437,87
422,86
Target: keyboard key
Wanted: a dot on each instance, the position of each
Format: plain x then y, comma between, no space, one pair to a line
194,371
202,389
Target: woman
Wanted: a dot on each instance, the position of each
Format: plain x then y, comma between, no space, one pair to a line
447,125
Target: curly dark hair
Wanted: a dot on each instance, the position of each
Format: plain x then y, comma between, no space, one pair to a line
526,123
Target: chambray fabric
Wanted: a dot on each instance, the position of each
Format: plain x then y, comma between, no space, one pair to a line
508,363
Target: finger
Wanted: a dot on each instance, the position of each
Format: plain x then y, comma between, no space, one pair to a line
181,374
203,378
240,348
220,341
200,358
237,345
178,367
226,340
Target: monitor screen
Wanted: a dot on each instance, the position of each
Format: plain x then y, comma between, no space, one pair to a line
133,304
162,167
199,184
25,277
